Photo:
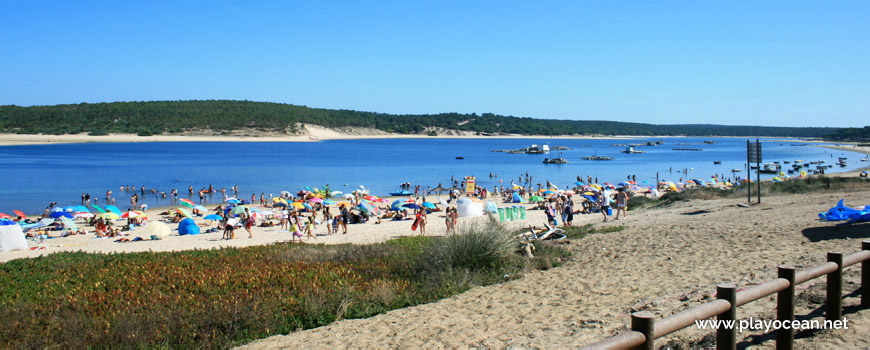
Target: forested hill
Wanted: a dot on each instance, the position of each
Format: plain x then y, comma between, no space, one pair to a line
158,117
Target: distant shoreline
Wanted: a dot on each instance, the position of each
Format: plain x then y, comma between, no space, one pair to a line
312,133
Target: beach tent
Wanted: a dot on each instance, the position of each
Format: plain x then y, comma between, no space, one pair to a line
465,208
517,199
188,227
11,236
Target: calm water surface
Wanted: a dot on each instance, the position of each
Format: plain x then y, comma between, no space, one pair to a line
36,175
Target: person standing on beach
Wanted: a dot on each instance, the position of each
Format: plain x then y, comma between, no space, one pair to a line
621,202
249,221
327,218
604,203
344,217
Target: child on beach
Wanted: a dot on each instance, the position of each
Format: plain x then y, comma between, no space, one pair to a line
327,218
621,203
551,213
295,230
309,228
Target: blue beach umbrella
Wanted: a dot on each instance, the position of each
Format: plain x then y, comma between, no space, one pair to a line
69,209
113,209
59,214
213,217
410,206
234,201
429,205
82,209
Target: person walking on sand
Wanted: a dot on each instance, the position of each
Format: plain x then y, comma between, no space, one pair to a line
621,203
309,228
295,230
249,221
604,203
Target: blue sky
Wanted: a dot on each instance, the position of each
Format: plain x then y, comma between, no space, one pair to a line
788,63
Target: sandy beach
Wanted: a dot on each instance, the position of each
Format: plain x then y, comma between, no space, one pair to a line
309,133
368,232
665,261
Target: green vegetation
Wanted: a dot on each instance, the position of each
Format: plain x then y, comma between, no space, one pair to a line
221,298
158,117
849,134
577,232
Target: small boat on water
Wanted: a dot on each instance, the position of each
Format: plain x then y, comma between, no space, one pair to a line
598,158
555,161
460,157
865,159
630,149
735,170
717,162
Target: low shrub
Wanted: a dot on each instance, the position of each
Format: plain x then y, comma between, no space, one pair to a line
477,246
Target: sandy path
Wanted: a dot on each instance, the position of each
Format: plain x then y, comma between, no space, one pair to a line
683,250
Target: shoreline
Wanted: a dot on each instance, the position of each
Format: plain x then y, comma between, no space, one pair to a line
311,133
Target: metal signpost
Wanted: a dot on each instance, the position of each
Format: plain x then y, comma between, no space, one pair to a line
753,154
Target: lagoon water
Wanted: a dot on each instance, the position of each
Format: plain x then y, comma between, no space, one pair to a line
35,175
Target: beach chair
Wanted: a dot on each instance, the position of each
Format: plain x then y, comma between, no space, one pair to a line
548,233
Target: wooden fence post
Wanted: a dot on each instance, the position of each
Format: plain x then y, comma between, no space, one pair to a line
785,309
644,322
834,300
865,277
727,338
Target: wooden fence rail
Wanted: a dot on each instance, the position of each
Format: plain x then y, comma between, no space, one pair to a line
644,328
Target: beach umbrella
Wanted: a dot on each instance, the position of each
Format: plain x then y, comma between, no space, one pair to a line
316,200
297,205
129,214
280,205
157,228
535,199
113,209
98,208
233,200
141,214
83,215
69,209
213,217
257,215
187,203
579,183
549,192
183,212
56,209
110,216
429,205
370,208
411,206
199,207
278,200
307,206
19,213
82,208
69,224
267,212
239,209
59,214
5,216
329,202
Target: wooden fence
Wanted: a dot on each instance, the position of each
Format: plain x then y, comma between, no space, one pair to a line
644,328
